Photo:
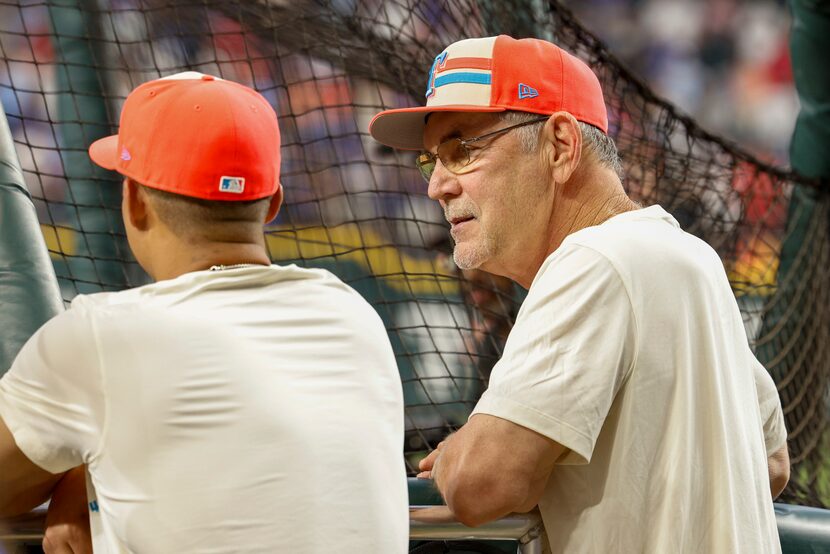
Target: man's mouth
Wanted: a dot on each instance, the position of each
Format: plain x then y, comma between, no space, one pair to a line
459,220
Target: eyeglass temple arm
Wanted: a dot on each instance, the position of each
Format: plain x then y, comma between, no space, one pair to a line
497,131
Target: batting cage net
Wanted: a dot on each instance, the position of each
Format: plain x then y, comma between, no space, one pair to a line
360,210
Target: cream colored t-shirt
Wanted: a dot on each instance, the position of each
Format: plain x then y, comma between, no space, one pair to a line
247,410
630,351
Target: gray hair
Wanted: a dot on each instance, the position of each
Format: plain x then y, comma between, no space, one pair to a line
593,139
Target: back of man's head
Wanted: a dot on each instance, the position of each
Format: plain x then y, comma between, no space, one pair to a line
198,221
196,136
201,155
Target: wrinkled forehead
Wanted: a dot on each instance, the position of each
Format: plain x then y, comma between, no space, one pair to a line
441,126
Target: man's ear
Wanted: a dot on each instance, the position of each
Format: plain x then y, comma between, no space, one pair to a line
275,205
134,205
562,139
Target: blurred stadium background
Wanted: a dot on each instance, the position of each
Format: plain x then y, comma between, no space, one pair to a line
702,106
724,62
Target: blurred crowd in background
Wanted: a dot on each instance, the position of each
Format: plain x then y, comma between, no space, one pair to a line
724,62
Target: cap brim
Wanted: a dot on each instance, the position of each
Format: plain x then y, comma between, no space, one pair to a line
104,152
404,128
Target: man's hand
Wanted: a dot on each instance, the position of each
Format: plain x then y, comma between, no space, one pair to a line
779,470
428,465
67,521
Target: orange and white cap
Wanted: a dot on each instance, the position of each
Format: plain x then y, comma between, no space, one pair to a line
196,135
497,74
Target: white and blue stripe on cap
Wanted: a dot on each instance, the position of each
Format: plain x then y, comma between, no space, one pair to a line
462,74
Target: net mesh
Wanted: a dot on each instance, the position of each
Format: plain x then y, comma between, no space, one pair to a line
360,210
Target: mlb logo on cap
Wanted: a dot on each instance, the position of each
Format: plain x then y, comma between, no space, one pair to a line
232,184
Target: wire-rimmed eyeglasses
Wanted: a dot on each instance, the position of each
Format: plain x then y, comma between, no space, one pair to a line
455,155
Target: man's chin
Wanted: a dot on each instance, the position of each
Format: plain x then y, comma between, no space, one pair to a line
465,259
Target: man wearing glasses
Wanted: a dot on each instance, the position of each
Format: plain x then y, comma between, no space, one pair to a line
627,403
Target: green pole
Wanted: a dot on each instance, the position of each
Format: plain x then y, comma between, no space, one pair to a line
810,44
810,145
82,118
29,293
791,341
807,214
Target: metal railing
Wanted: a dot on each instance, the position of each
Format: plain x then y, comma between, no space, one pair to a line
25,528
801,529
425,523
437,523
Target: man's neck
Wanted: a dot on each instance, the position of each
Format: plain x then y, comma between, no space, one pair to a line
182,258
593,201
575,215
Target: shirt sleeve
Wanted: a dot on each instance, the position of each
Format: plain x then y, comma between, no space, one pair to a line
568,354
51,399
772,416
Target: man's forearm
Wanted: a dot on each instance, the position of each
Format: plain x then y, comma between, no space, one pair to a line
493,467
475,496
23,485
21,504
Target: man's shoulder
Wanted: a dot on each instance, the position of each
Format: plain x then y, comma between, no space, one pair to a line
239,280
642,238
627,229
263,287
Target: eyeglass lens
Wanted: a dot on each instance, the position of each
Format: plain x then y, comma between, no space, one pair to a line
426,165
452,153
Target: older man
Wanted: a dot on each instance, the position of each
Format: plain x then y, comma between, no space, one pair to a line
227,406
627,402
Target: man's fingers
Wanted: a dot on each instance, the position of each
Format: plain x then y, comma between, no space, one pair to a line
424,475
83,545
426,463
55,546
66,539
67,520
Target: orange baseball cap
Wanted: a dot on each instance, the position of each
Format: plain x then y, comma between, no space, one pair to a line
196,135
497,74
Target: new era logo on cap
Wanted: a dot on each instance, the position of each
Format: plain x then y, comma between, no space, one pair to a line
527,92
235,185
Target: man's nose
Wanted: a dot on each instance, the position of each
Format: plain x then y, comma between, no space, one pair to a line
443,183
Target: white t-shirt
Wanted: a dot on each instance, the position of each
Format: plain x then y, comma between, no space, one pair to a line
630,351
248,410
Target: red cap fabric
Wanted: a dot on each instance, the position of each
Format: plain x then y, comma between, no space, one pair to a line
497,74
196,135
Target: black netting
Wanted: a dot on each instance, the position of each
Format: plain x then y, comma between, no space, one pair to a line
360,210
